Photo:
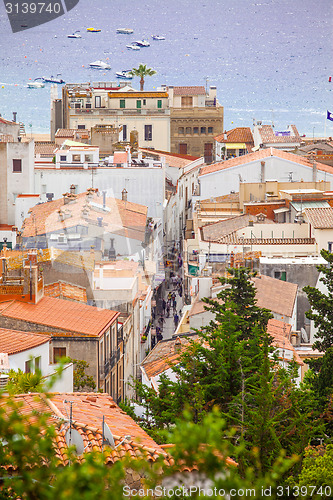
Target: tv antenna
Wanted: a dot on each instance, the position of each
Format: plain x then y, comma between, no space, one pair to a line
72,436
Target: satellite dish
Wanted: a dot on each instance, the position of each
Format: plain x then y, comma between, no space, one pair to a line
73,438
304,335
107,436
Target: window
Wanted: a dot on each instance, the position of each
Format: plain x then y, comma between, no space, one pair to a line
58,353
38,364
76,158
98,102
144,102
77,105
203,130
187,101
210,130
17,165
122,103
181,130
124,132
148,132
88,105
280,275
63,158
188,130
88,158
82,127
28,366
330,246
159,103
101,351
183,149
195,130
138,104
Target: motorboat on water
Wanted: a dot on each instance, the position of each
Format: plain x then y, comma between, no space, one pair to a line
125,31
132,46
158,37
53,79
99,65
142,43
76,34
36,84
93,30
124,75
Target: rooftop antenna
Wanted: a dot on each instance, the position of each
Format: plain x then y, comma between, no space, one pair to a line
72,436
108,439
207,80
272,110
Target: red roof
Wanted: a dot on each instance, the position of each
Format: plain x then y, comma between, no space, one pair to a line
196,90
238,134
66,315
261,155
14,341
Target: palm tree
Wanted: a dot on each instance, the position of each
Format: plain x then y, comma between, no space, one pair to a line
142,71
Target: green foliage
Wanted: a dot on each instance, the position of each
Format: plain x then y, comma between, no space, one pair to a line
81,380
22,383
142,71
321,311
317,472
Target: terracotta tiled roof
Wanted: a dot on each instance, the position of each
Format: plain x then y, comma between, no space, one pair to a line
268,136
65,132
64,290
120,217
119,157
164,354
276,295
280,332
261,155
173,159
79,319
196,90
234,197
7,122
14,341
88,411
45,148
320,218
238,134
219,230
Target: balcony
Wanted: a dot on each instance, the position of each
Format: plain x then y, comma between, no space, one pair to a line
114,358
119,112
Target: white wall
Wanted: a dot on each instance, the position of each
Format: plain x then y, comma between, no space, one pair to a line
223,181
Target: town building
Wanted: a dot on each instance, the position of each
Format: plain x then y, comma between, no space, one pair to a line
196,117
30,353
265,136
86,105
235,142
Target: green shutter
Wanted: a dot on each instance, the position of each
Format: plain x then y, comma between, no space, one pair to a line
122,103
138,104
159,103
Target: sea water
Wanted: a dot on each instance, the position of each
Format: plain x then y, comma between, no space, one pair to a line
269,59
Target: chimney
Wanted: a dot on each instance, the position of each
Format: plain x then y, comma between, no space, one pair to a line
32,256
72,189
294,338
212,92
104,199
262,172
14,116
124,195
33,282
129,156
178,345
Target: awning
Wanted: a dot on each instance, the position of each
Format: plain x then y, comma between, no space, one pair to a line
281,210
235,145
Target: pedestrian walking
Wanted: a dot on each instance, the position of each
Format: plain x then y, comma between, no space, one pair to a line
174,304
176,319
168,310
163,305
161,320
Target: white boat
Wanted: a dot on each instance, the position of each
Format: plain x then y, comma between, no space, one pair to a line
142,43
133,47
100,65
53,79
125,31
36,84
158,37
76,34
124,75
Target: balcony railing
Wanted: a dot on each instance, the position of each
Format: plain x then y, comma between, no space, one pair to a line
119,112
